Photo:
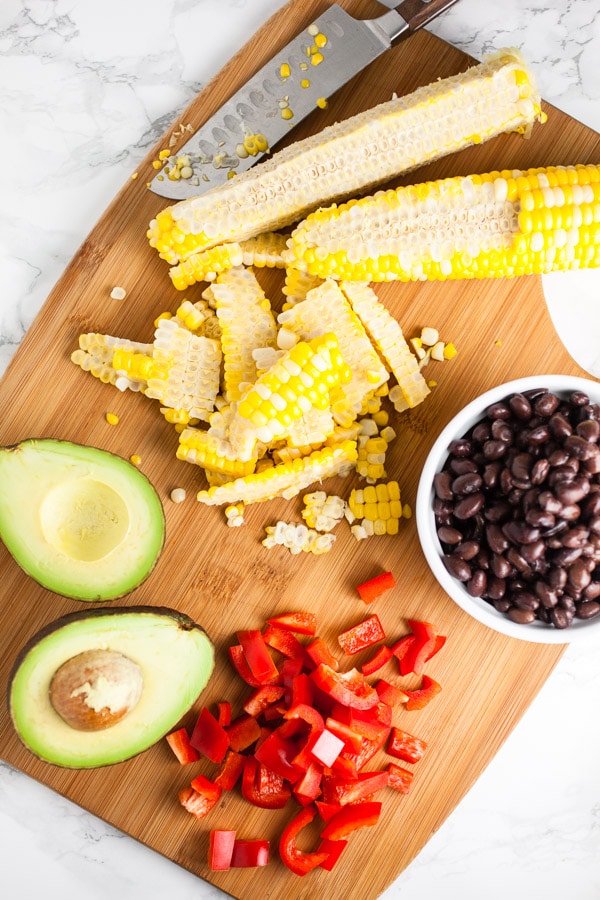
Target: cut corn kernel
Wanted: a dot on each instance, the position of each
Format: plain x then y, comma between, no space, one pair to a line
112,419
349,157
377,507
297,538
323,511
178,495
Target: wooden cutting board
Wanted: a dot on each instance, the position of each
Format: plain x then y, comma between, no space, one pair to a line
223,577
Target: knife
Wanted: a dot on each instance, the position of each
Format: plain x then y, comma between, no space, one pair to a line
311,68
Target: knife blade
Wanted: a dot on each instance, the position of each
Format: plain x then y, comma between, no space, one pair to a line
302,76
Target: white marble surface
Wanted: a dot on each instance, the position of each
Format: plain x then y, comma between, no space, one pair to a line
85,89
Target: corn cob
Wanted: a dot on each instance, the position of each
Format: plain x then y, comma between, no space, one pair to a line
199,318
246,322
387,336
265,250
214,454
302,379
297,285
327,309
95,355
286,479
206,265
348,158
500,224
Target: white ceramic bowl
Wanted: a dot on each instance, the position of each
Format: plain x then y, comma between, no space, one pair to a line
479,609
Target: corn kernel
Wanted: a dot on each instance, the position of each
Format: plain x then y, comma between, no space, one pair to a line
135,459
178,495
112,419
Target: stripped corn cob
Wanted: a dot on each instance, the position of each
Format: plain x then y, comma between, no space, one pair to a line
286,479
246,322
265,250
214,454
386,334
302,379
327,309
378,506
297,285
206,265
199,318
96,352
351,156
498,224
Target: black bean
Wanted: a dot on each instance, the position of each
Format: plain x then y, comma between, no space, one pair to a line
477,583
587,609
520,406
468,483
442,482
449,535
469,506
457,567
521,616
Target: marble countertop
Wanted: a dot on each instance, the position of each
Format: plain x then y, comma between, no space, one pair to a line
86,88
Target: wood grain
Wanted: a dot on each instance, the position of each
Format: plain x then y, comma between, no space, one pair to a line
223,577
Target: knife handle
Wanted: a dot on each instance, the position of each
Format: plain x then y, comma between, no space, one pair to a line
417,13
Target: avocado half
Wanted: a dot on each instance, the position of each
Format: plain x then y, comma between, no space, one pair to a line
82,522
171,657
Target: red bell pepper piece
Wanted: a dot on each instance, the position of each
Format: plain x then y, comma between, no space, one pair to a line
224,713
308,714
209,738
419,698
179,742
377,661
284,641
352,740
405,746
308,788
319,652
390,693
327,748
230,770
327,810
300,622
277,753
263,787
249,854
373,588
263,697
298,861
420,649
350,818
200,797
243,732
401,648
353,790
399,778
302,690
334,849
256,653
220,849
365,634
238,661
349,688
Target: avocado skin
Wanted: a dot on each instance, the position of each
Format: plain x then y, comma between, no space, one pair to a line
182,622
141,485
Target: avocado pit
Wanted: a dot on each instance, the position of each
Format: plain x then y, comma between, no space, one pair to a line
96,689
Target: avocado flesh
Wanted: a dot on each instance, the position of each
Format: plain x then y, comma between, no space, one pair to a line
176,658
82,522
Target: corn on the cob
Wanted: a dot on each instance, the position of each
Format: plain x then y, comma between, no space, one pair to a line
387,336
302,379
327,309
499,224
246,322
96,352
347,158
286,479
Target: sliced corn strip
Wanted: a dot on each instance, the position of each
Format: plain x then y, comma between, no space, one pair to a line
265,250
247,323
378,506
496,96
286,479
297,538
500,224
214,454
327,309
386,334
205,265
95,355
297,285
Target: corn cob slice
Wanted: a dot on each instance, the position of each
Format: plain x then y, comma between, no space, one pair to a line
95,355
265,250
327,309
205,265
302,379
246,322
297,285
378,507
347,158
386,334
284,480
214,454
200,318
500,224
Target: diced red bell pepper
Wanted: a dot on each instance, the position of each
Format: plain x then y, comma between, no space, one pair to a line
230,770
319,652
365,634
308,714
209,738
334,849
243,732
300,622
250,854
352,740
373,588
399,778
308,788
298,861
350,818
303,690
349,688
256,653
262,787
284,641
220,849
263,697
405,746
390,694
420,649
421,696
238,661
179,742
200,797
327,748
401,648
327,810
277,754
224,713
353,790
377,661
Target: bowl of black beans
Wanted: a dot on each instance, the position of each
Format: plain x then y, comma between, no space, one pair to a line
508,508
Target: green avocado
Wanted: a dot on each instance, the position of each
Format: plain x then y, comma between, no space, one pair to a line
99,686
83,522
